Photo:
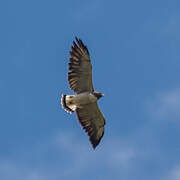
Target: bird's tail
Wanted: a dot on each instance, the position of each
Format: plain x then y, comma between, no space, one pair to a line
67,102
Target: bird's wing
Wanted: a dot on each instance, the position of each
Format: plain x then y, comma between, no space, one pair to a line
92,121
80,68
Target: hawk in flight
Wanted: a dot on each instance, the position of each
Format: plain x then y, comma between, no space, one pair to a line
84,102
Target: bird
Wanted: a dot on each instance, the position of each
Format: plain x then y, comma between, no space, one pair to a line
84,101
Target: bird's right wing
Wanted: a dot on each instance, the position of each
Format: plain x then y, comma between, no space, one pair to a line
92,121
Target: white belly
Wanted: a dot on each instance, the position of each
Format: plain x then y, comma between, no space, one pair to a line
84,98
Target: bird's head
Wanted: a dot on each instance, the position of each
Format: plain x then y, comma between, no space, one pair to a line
98,94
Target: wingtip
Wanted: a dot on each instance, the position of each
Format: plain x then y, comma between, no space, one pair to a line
95,145
76,38
95,142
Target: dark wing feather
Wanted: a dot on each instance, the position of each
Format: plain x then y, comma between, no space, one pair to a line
80,68
92,121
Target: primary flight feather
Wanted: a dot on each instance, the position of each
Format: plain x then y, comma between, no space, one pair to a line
84,102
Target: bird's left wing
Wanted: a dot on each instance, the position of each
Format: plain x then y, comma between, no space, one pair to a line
92,121
80,68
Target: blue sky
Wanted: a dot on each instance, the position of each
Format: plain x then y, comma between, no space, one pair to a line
135,52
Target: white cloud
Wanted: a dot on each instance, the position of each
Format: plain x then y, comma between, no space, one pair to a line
173,174
111,154
75,159
166,105
121,158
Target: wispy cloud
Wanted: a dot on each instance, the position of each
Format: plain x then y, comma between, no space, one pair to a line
112,154
75,159
166,105
173,174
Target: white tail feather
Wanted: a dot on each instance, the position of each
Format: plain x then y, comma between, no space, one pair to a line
67,102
